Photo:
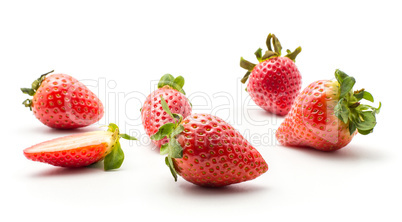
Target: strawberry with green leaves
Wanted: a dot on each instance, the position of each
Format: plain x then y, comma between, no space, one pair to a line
83,149
328,114
275,81
62,102
152,114
207,151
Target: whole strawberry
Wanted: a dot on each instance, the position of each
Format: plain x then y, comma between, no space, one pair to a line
327,114
62,102
152,114
81,149
207,151
275,81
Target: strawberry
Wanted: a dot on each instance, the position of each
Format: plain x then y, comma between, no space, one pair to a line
328,114
275,81
152,114
207,151
62,102
82,149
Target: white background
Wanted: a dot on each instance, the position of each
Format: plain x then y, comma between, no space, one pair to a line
121,48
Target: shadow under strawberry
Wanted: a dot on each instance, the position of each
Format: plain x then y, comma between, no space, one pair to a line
207,192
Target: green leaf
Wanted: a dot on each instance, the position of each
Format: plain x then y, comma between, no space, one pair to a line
178,130
365,132
346,86
246,64
164,130
166,79
127,137
277,45
112,127
364,107
352,128
28,103
176,83
366,121
364,95
35,85
164,149
359,95
292,55
268,42
175,149
258,54
268,55
169,163
341,110
165,107
367,96
245,77
340,76
178,118
115,158
377,111
179,81
28,91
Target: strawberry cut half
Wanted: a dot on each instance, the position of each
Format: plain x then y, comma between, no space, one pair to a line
82,149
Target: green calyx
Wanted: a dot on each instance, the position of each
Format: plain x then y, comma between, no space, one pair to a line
34,87
173,148
358,116
115,158
175,83
274,50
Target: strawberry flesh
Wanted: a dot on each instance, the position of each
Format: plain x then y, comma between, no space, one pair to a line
73,151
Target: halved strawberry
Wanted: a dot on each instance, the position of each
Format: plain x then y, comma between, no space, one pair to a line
82,149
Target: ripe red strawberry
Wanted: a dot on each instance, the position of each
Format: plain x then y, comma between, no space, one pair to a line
327,114
62,102
152,114
82,149
275,81
207,151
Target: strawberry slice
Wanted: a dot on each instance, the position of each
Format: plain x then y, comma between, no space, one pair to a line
82,149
